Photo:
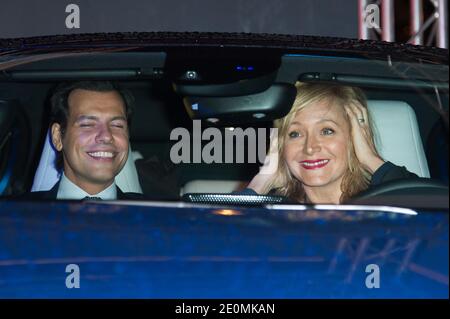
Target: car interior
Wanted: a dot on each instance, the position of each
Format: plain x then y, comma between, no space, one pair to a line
408,102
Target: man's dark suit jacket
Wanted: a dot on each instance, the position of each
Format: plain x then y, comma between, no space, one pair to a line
51,194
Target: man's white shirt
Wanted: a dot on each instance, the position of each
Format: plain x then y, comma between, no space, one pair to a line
68,190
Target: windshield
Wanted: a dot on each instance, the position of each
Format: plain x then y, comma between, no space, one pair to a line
205,123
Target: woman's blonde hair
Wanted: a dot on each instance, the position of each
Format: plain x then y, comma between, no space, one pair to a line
356,178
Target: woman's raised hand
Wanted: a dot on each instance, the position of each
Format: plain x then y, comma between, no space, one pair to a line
267,171
364,148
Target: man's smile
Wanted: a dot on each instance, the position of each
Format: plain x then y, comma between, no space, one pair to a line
102,155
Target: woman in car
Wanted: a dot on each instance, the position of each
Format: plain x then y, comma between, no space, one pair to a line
324,151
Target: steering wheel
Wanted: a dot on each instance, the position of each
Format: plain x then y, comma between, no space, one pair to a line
418,192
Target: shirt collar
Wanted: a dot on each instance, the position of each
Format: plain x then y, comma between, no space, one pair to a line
68,190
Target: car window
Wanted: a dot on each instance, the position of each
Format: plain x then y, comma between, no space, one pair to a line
203,125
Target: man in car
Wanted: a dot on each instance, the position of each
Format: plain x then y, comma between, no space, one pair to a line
90,130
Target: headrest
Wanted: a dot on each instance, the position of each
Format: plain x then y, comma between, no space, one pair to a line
47,175
397,135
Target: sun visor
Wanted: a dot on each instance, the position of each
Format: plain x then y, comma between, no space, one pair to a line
270,104
84,66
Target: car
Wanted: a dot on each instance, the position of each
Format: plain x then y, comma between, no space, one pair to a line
196,235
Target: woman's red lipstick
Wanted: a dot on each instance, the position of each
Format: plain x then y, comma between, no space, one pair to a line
314,164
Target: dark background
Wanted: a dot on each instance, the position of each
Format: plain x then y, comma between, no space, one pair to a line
22,18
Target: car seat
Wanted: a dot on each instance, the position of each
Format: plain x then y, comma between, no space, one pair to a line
47,175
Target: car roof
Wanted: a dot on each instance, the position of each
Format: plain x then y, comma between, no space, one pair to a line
312,44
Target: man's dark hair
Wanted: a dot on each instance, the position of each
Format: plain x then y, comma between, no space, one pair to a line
60,104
